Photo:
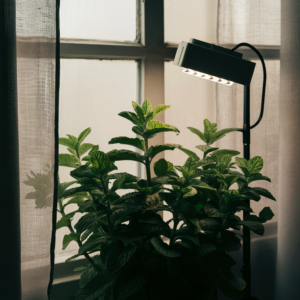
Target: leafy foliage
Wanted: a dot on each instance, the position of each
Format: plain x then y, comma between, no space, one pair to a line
137,254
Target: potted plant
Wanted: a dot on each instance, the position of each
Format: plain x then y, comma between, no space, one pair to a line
133,253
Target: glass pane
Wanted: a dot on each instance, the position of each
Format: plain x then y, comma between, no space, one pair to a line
192,101
98,19
190,18
92,93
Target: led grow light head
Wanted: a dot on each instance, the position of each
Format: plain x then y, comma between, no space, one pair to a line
214,63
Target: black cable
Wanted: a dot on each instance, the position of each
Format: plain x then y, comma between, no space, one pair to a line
264,81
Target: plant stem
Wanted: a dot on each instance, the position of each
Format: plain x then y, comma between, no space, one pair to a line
78,157
226,221
176,221
108,206
103,185
173,234
148,171
85,254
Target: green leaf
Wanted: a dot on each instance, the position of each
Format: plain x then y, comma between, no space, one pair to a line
73,140
139,111
191,193
160,167
255,164
263,192
94,240
101,163
83,171
185,233
76,190
209,131
164,248
159,109
251,193
79,269
87,206
131,117
84,134
147,107
206,149
67,160
134,286
199,133
237,282
255,226
116,155
94,149
72,257
242,163
88,221
84,148
230,180
68,239
136,142
62,187
118,184
218,135
138,130
155,127
66,142
218,154
77,200
258,176
245,208
154,150
209,224
118,257
72,151
203,185
62,223
266,214
189,153
65,221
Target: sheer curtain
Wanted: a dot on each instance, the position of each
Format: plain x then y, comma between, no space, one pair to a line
288,263
35,57
258,23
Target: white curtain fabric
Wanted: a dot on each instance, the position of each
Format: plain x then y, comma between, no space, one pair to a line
288,263
257,23
36,54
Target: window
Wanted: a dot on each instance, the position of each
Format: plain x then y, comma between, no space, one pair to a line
117,51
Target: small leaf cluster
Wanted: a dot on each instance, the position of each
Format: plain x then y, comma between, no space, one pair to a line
133,253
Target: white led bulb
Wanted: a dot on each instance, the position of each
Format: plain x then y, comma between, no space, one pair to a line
207,77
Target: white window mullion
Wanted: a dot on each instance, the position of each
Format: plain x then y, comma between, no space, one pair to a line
152,69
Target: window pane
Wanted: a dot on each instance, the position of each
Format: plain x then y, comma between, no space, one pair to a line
98,19
190,18
92,93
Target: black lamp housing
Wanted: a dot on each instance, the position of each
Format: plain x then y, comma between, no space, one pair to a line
215,61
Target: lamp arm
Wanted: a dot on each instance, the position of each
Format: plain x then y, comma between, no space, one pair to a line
264,81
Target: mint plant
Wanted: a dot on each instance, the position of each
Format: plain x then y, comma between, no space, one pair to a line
132,252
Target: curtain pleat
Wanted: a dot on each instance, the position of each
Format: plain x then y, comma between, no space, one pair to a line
258,23
28,152
10,256
288,263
